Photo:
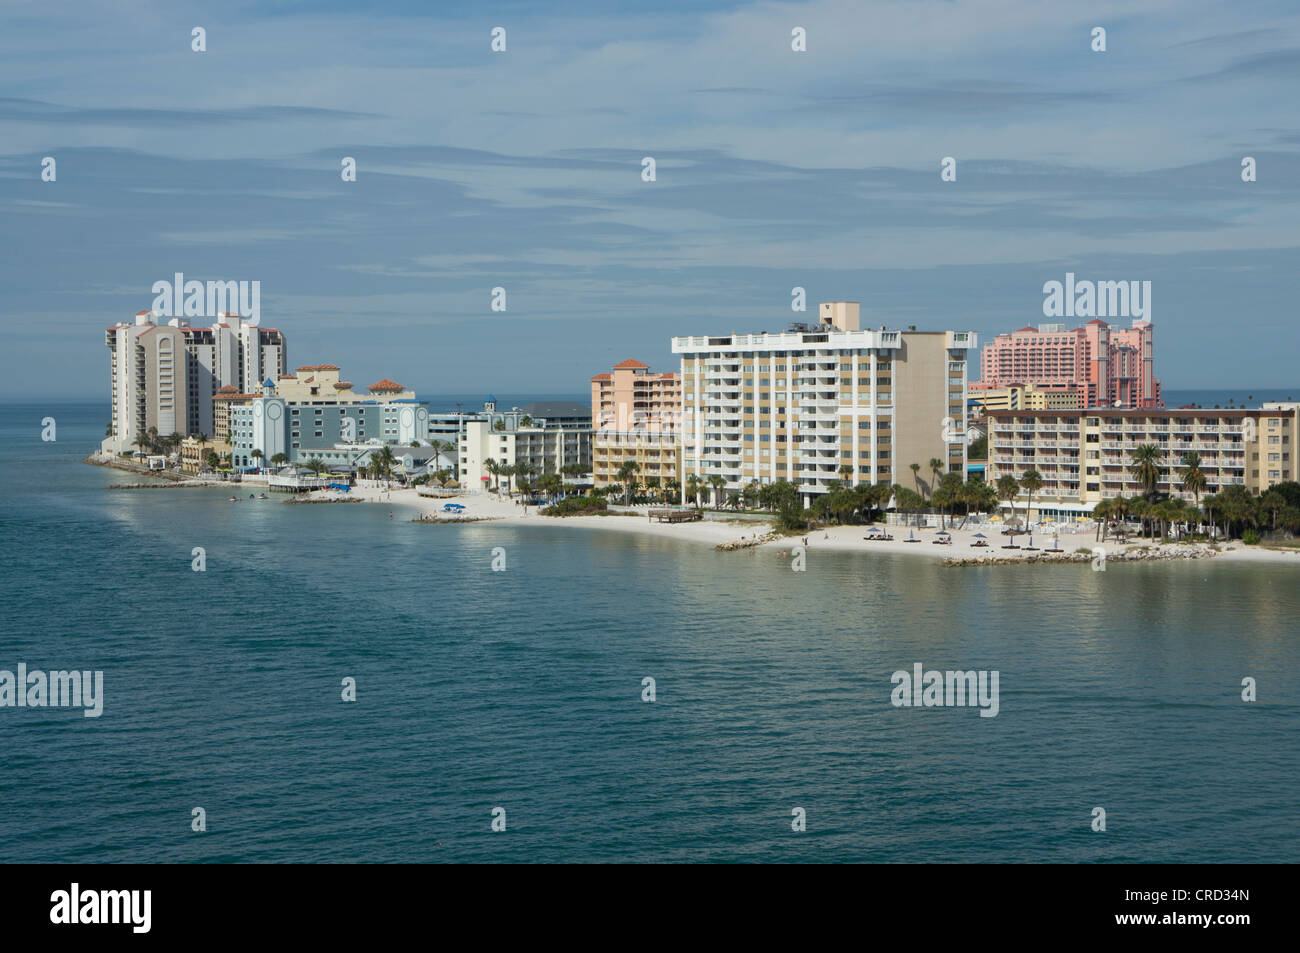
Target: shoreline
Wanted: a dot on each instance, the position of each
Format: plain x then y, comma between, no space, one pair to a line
740,535
728,535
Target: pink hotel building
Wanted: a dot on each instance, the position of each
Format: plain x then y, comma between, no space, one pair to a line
1102,365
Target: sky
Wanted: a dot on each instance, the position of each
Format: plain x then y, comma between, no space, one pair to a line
522,169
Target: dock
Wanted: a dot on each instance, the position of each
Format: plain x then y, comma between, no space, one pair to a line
674,516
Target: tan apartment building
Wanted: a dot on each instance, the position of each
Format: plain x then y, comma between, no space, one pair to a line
222,401
821,403
1083,456
635,415
1026,397
194,453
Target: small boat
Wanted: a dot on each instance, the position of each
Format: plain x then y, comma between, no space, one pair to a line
261,496
234,499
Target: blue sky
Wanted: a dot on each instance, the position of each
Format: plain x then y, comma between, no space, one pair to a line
522,170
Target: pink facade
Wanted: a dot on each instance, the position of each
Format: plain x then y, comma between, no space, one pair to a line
1112,367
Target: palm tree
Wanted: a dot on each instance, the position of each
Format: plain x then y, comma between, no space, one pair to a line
1272,502
494,468
1102,513
1146,468
317,466
717,482
1194,481
1008,488
936,469
382,462
280,459
916,476
1031,482
693,489
846,471
625,473
257,455
941,498
524,470
1143,510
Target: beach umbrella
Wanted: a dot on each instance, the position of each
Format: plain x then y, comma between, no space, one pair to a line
980,536
911,534
943,532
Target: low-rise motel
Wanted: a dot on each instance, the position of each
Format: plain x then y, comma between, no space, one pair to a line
635,416
821,403
1085,456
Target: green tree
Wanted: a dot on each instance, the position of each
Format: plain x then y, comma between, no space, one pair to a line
936,471
717,482
1031,482
1194,481
626,472
382,462
1146,468
1008,488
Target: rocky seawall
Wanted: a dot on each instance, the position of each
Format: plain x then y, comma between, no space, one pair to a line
747,542
1139,554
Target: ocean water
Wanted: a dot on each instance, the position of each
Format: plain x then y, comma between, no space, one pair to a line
522,690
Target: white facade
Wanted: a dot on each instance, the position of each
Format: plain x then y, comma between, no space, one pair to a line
820,404
178,398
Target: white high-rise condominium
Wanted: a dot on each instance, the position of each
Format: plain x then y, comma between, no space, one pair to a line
824,402
164,376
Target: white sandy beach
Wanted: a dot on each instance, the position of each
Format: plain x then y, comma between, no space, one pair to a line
407,504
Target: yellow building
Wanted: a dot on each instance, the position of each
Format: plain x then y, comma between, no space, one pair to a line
1084,457
635,416
1027,397
194,453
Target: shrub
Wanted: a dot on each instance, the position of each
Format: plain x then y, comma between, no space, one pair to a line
1250,537
576,506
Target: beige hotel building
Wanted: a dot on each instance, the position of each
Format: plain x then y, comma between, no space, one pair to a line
799,405
635,415
1084,456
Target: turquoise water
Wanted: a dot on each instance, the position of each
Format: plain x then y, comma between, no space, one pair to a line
522,689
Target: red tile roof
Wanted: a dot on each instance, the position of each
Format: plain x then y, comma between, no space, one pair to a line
385,385
229,389
630,363
1099,321
602,377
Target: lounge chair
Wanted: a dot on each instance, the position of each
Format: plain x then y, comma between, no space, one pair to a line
980,543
